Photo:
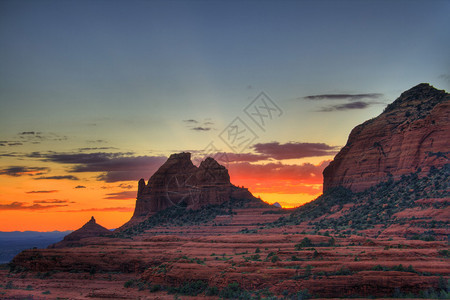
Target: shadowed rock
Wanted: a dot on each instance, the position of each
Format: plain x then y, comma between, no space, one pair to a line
90,229
179,182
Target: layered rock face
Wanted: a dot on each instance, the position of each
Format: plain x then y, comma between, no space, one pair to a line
90,229
411,135
179,182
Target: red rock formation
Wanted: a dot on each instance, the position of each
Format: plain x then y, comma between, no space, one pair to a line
90,229
179,182
412,134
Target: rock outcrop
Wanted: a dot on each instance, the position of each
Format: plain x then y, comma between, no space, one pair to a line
179,182
411,135
90,229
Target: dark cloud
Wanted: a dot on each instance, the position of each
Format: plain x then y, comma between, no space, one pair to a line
205,125
294,150
51,201
10,154
347,106
68,177
26,206
15,144
17,171
80,187
191,121
126,186
42,192
115,166
351,97
125,195
29,133
199,128
118,209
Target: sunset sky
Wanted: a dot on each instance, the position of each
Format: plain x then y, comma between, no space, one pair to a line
95,95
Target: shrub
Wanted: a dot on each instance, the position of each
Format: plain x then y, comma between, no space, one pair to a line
212,291
232,291
128,283
306,242
274,258
155,288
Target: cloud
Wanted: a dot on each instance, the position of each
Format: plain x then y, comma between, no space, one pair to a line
116,209
125,195
50,201
205,125
115,166
294,150
348,106
80,187
36,137
126,186
17,171
42,192
199,128
68,177
191,121
351,97
26,206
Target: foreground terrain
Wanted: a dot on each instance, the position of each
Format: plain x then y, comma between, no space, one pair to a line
233,256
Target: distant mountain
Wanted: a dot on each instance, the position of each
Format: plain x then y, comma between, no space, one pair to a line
411,135
13,242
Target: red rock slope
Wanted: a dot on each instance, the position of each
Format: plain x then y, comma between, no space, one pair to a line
413,132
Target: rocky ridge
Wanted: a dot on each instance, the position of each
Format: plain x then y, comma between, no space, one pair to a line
178,182
410,135
88,230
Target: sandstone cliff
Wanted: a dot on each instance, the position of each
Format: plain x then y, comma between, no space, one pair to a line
411,135
179,182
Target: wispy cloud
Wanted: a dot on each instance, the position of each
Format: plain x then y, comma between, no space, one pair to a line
42,192
114,166
196,125
347,106
351,97
27,206
125,195
294,150
117,209
17,171
51,201
62,177
191,121
357,101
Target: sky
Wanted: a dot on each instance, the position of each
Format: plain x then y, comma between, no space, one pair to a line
95,95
